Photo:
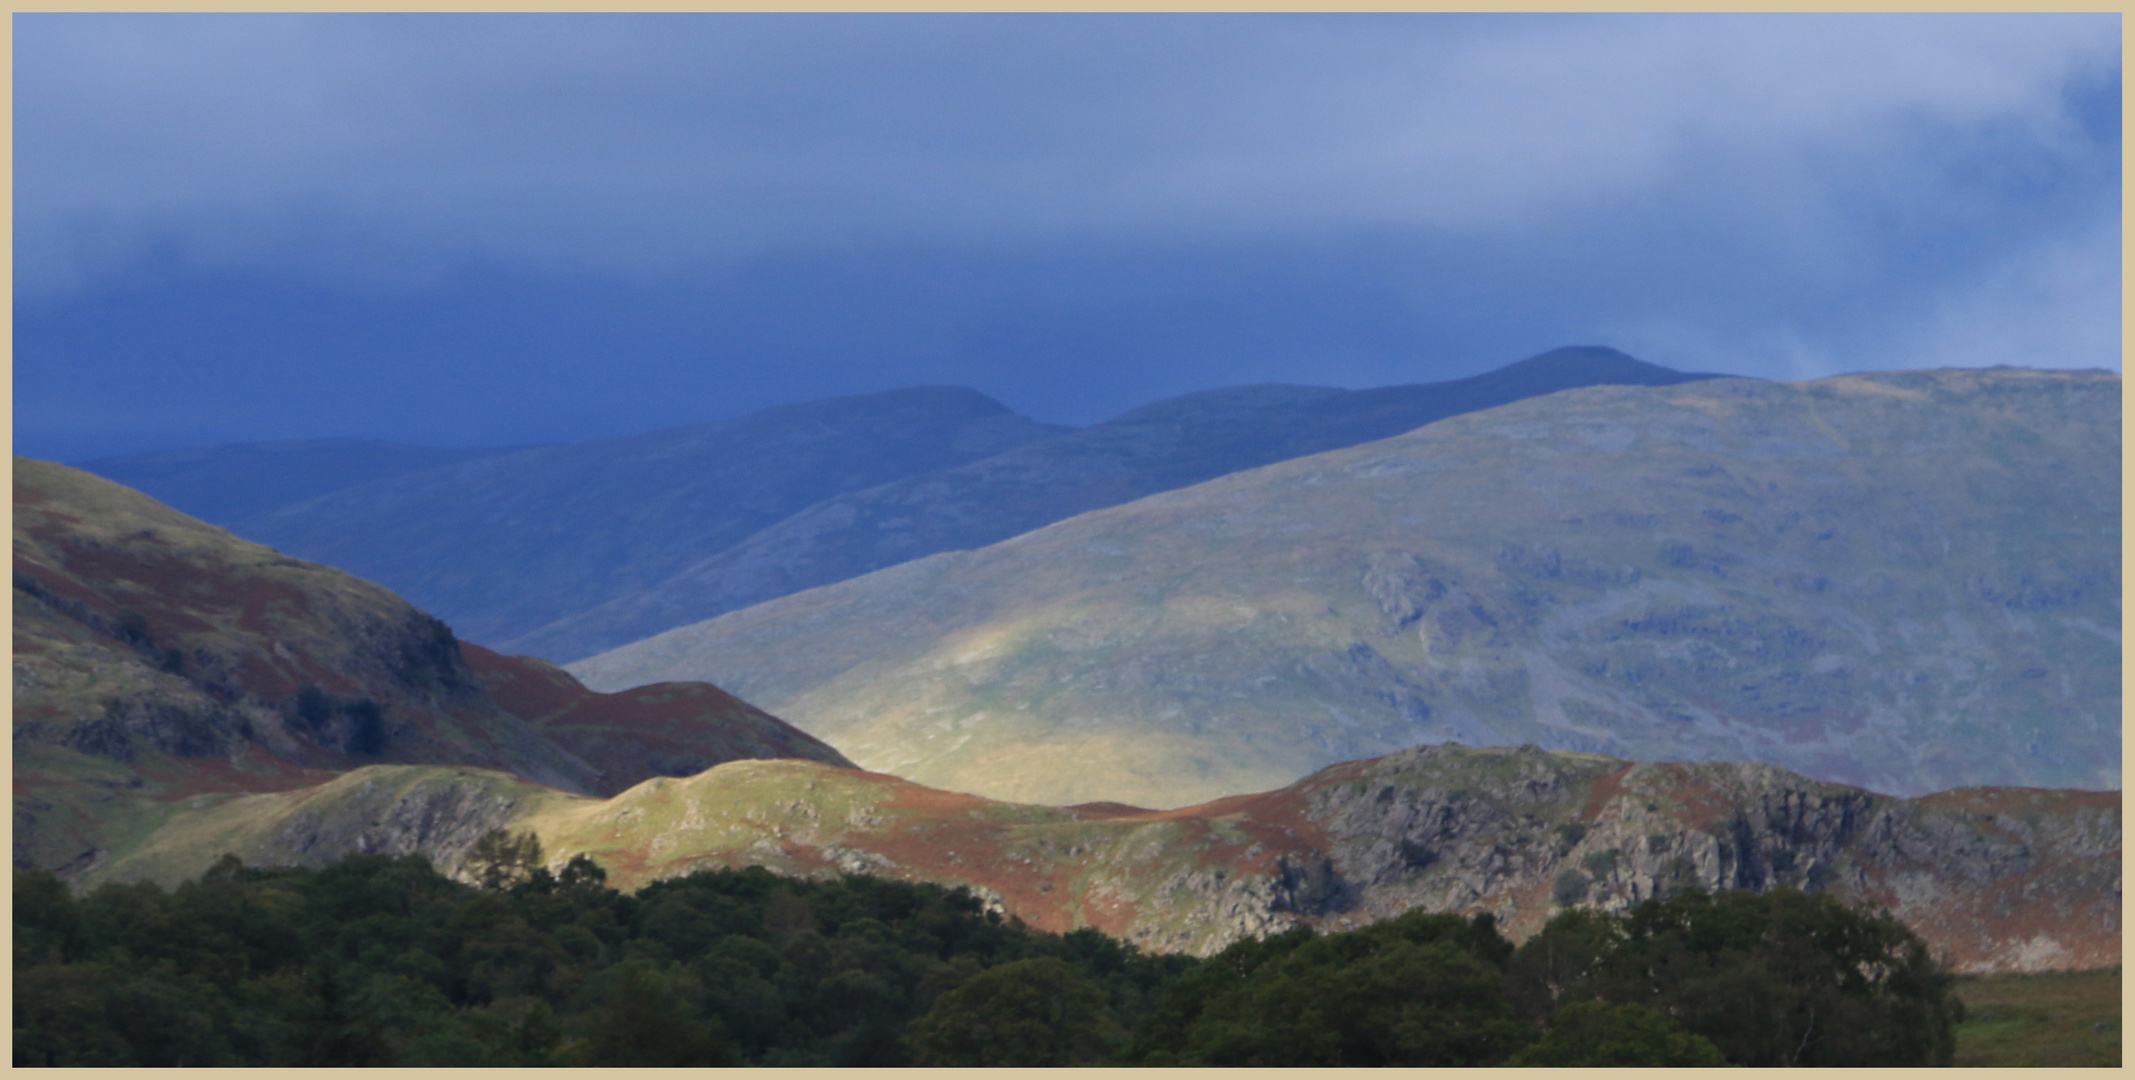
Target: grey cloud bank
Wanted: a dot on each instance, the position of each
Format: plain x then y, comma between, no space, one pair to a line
1015,200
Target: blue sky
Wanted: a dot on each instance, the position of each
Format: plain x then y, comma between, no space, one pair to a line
476,230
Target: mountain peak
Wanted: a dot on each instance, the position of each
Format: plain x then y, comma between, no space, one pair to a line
1592,362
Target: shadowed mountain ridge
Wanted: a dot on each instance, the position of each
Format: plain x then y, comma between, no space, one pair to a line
229,483
1162,446
501,544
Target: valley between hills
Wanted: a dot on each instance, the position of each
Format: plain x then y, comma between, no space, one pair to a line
1548,647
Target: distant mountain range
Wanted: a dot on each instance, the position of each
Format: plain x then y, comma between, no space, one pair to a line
1909,572
1991,879
564,551
499,544
1903,581
162,663
1170,444
235,482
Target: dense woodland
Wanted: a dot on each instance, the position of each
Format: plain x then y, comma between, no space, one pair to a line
384,961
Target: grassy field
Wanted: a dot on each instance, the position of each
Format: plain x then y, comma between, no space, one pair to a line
2058,1019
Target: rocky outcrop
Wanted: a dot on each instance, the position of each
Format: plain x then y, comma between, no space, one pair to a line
1992,879
438,815
1525,833
204,730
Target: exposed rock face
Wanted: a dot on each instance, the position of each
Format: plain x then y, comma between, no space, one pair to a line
201,730
157,657
438,816
1904,581
1993,879
1525,832
437,811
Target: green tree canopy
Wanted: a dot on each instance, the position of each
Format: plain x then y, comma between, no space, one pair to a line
1778,978
643,1021
1595,1034
1419,990
378,960
500,860
1040,1011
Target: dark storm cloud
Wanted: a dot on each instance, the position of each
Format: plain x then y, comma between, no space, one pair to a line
1784,195
636,143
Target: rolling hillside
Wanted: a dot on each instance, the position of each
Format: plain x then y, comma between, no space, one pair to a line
1993,880
502,544
1158,447
158,659
1905,581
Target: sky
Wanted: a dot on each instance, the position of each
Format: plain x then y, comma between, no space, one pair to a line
472,230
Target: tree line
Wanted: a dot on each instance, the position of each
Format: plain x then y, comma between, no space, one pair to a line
380,960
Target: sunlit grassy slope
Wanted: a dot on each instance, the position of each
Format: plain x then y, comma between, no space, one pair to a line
1993,879
1161,446
1905,581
